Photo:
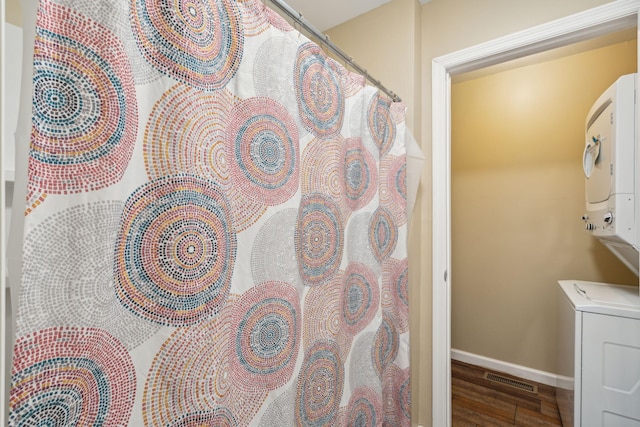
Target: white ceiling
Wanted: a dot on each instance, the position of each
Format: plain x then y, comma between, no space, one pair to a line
325,14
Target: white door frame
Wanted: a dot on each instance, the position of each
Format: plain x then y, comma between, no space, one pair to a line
617,15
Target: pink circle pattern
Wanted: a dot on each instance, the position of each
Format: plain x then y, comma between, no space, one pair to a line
319,239
386,346
198,43
262,149
323,171
85,114
320,385
383,234
71,376
175,251
267,323
185,133
319,92
397,396
395,291
360,174
254,17
393,187
217,161
364,408
360,297
323,316
381,123
190,379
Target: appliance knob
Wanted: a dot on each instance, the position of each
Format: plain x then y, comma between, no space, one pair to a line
608,218
590,227
585,217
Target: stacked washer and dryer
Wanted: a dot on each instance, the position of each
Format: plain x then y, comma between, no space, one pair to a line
599,323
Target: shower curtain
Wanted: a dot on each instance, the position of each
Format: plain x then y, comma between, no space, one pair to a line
215,229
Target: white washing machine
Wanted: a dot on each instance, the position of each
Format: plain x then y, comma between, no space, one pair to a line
598,354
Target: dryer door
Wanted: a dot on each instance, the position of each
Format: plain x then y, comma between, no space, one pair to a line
597,157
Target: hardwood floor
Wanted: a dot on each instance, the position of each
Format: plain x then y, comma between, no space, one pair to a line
477,401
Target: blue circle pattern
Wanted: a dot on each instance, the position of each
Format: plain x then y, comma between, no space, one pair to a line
401,185
366,414
270,336
268,151
312,106
332,373
401,287
73,121
134,246
219,417
357,176
318,219
63,405
181,57
356,299
168,198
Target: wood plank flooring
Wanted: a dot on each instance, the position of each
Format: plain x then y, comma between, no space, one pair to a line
478,402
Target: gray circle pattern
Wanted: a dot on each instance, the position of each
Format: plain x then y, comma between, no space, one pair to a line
68,275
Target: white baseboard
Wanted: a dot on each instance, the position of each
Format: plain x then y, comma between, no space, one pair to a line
506,367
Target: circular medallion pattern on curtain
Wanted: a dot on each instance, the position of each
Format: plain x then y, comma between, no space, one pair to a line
395,291
320,385
381,123
254,17
322,171
323,317
386,345
383,234
75,249
190,380
360,174
319,239
262,144
175,251
393,187
85,117
318,90
199,43
267,321
115,17
364,408
274,238
71,376
360,297
274,78
186,134
396,389
220,416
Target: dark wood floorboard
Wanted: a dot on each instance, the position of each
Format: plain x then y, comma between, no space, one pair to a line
477,402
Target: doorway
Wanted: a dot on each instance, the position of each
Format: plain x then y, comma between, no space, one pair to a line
592,23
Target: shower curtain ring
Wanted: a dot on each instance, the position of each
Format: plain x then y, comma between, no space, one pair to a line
347,61
297,24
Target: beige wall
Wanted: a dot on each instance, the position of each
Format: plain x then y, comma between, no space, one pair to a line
12,12
517,199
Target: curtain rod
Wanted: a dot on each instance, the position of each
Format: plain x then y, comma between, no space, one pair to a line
323,38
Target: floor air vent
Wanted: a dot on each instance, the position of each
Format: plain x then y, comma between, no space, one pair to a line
520,385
